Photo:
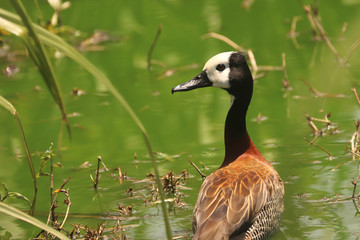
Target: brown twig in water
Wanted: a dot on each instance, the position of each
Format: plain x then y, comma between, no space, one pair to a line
293,34
355,152
313,90
224,39
121,175
197,169
355,205
153,46
252,61
235,46
53,202
351,50
285,81
321,94
317,28
183,174
354,141
104,166
270,68
52,179
294,21
68,203
325,120
312,124
316,145
96,182
343,30
254,67
355,182
356,95
330,128
310,17
326,39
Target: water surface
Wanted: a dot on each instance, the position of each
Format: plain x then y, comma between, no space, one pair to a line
187,126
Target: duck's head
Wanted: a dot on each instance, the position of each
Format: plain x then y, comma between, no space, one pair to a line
227,70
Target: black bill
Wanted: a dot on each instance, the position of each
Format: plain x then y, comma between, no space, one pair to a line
199,81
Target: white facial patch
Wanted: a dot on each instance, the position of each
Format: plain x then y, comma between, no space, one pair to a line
219,78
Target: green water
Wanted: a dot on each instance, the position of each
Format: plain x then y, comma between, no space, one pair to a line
187,126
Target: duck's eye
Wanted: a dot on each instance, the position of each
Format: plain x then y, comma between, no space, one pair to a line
220,67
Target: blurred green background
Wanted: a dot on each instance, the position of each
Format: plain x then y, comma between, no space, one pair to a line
185,126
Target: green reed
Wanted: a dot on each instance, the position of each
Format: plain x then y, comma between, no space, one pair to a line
34,36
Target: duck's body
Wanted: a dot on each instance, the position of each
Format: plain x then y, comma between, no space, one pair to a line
243,199
240,201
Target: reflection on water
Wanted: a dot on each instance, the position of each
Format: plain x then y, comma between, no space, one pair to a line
318,191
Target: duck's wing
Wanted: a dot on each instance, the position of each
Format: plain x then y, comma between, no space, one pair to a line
231,197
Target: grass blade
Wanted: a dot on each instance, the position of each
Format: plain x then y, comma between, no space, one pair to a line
7,105
40,58
12,23
4,208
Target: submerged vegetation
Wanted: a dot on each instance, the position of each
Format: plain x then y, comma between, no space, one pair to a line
132,192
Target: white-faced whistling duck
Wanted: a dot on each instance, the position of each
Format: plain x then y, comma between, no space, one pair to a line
243,199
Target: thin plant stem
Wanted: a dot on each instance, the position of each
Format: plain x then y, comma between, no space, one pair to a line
316,26
153,46
97,173
8,106
38,12
197,169
354,142
310,17
40,58
52,185
224,39
53,202
293,34
58,43
68,203
316,145
343,30
31,165
285,81
355,205
326,39
356,95
160,189
312,124
356,181
252,61
351,50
